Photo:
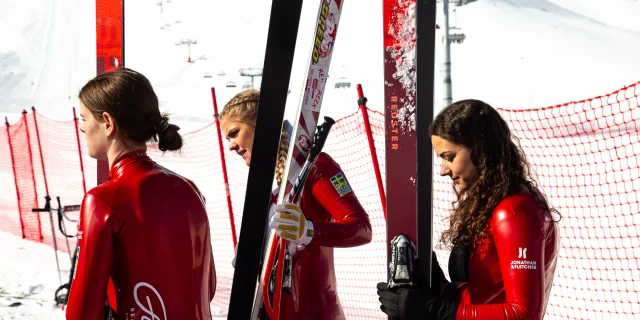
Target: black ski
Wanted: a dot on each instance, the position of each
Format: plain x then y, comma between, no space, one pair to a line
425,55
278,60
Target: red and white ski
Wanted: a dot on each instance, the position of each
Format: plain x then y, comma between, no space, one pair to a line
302,137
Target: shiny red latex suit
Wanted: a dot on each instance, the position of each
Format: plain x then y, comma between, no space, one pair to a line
145,233
511,272
338,221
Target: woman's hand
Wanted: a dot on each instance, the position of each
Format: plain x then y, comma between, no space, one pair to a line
290,223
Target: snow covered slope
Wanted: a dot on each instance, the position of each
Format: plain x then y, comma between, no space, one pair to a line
534,53
46,55
29,279
517,54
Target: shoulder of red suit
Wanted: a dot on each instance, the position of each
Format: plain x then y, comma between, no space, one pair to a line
520,205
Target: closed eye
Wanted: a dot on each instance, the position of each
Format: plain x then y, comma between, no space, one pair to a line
232,133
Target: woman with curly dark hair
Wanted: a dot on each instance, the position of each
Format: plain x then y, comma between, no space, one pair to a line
502,232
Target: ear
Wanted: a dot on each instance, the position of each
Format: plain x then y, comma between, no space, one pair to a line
109,124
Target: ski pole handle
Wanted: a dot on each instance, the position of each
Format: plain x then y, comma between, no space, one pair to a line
320,137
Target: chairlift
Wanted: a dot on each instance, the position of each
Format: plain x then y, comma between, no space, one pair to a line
343,83
456,35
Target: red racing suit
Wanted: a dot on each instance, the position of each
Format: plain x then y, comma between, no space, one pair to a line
339,221
511,272
145,234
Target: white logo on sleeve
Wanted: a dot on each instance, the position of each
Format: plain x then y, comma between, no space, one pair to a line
523,253
149,310
522,262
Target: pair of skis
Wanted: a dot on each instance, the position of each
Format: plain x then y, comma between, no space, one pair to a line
305,145
409,33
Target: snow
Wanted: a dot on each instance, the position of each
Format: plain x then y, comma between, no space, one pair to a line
403,31
29,276
517,54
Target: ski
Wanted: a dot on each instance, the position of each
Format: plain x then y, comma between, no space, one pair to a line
301,143
278,60
425,69
409,34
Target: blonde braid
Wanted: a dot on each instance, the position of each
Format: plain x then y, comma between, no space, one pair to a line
283,151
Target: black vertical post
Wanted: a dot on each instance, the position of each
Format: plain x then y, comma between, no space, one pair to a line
281,43
425,55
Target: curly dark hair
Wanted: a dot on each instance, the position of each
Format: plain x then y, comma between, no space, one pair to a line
501,164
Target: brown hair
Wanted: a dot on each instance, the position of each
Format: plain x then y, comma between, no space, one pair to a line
243,108
501,164
129,98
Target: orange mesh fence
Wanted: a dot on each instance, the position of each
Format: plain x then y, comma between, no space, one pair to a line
21,163
359,269
199,161
585,155
10,218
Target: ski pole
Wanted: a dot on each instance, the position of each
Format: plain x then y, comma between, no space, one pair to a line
294,196
47,208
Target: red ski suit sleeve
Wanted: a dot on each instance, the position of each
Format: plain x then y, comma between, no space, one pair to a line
350,225
144,234
339,221
510,274
96,231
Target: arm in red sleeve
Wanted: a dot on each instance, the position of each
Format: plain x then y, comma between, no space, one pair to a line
351,226
97,231
517,225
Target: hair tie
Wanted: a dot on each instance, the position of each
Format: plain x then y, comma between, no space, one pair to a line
162,125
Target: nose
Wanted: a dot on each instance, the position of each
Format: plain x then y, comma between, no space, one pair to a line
233,146
444,170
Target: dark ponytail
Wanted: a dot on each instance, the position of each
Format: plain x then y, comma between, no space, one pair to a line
129,98
167,135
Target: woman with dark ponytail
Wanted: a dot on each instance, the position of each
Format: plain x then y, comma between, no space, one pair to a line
144,246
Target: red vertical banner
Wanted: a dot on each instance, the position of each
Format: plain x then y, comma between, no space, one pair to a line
109,56
400,137
110,49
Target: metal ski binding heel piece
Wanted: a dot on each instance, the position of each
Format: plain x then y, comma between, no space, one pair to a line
401,267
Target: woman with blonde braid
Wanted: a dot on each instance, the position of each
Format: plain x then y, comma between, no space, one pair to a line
329,215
